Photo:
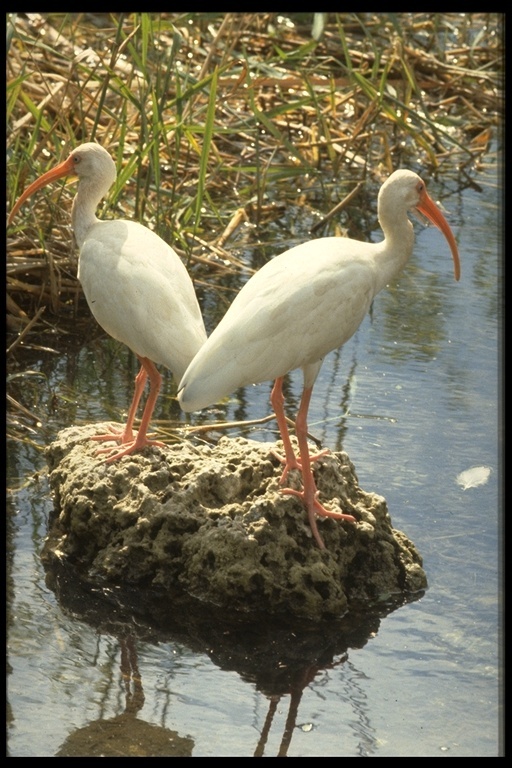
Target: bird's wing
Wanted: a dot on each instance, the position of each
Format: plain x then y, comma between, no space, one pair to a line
292,312
140,292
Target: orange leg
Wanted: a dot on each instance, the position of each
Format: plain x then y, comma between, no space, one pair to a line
126,436
130,443
290,461
309,494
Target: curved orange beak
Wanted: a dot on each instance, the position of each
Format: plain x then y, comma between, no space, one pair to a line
429,209
62,169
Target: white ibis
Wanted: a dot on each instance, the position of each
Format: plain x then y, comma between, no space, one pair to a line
300,306
136,286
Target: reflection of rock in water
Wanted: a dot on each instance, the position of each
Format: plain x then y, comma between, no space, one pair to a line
211,520
279,655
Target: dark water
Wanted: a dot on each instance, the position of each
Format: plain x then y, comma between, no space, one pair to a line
414,399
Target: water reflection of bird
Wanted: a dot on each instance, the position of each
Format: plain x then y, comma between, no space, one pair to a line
136,286
300,306
126,734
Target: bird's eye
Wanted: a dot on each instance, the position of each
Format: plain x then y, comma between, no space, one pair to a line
76,159
420,187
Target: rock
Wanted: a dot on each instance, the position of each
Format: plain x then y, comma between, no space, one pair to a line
211,521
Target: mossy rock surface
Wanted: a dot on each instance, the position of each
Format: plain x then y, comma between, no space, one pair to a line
211,521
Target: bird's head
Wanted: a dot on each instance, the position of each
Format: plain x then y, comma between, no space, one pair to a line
88,161
403,191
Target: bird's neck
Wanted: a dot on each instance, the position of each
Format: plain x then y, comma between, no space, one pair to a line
397,245
83,212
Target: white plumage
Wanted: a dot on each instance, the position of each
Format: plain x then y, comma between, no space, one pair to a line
136,286
300,306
